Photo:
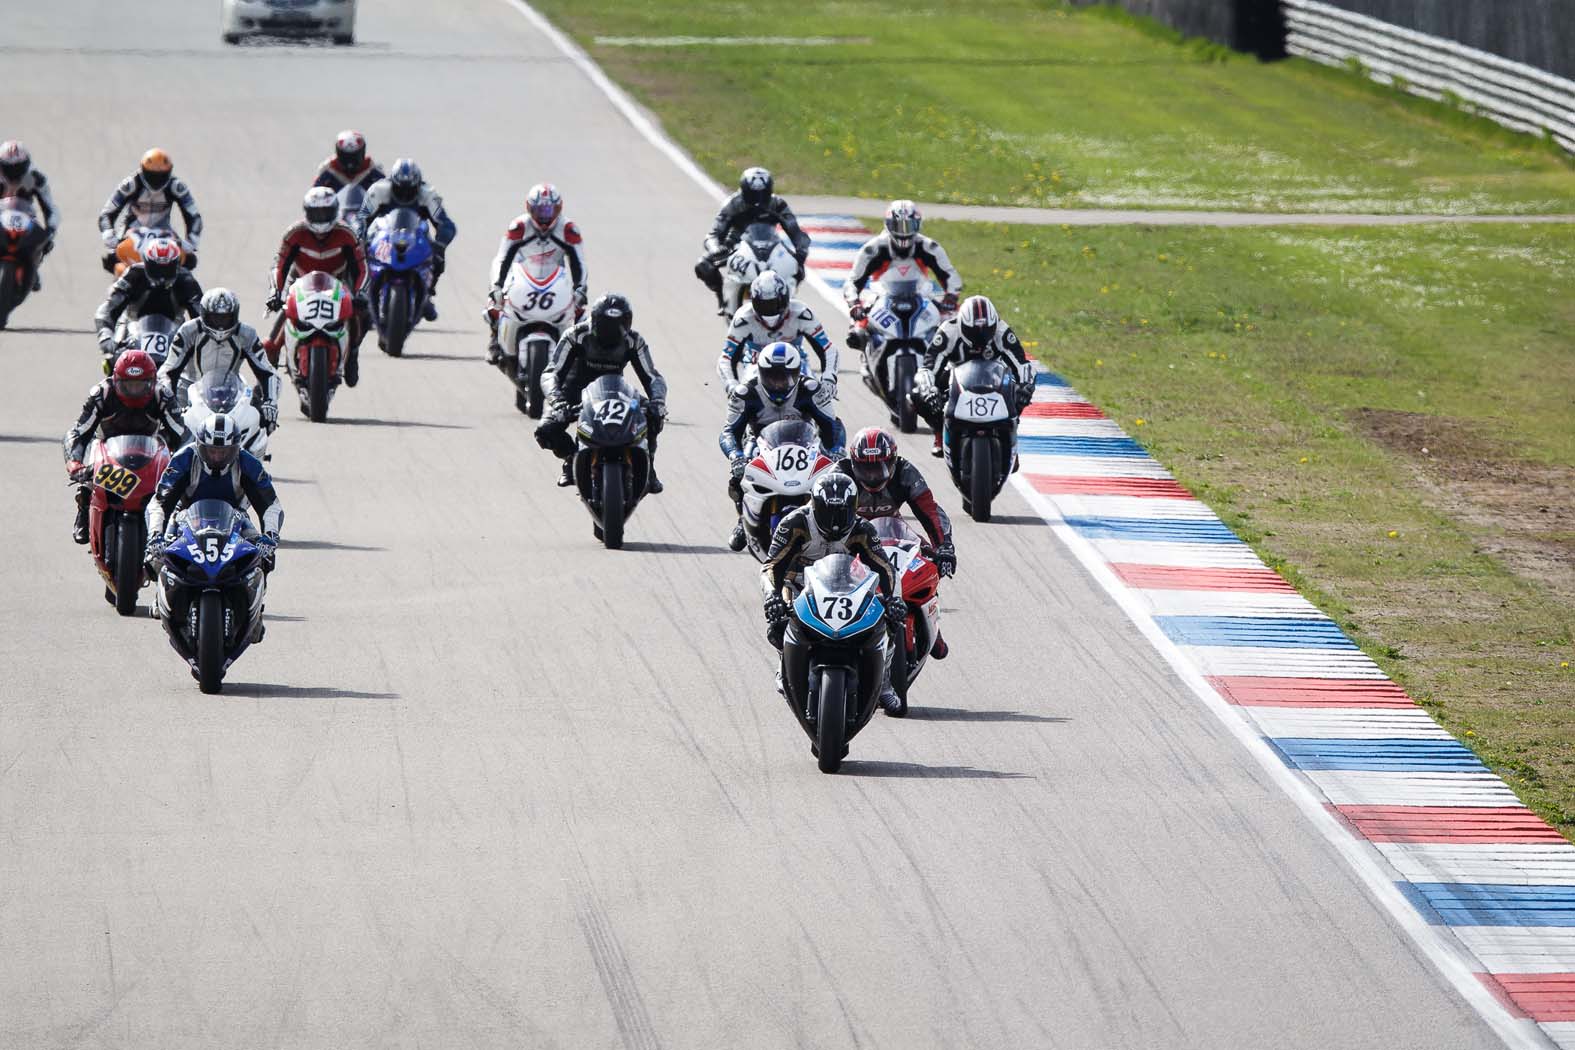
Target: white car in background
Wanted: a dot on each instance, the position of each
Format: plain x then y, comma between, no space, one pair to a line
334,19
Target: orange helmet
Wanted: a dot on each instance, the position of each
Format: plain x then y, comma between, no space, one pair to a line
156,168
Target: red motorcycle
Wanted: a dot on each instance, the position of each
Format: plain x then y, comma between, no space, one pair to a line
920,581
318,312
124,472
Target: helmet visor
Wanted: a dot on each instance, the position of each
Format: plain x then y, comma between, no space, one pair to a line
161,272
218,457
134,391
979,335
404,190
770,309
607,330
777,383
220,322
904,227
350,159
834,520
155,180
872,475
544,212
321,217
14,170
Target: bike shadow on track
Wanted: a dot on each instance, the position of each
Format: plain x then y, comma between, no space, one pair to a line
324,545
918,771
27,439
368,421
265,691
963,714
644,547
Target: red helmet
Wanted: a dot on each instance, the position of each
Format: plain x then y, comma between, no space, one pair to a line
161,259
874,457
545,204
350,152
133,378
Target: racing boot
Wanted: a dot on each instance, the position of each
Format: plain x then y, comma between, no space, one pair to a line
566,479
353,367
79,532
939,650
935,449
653,484
38,279
737,540
894,705
429,310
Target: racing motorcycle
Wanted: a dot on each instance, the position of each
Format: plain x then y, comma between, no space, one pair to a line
979,433
153,334
761,248
399,254
20,237
538,304
612,461
893,336
350,200
128,252
225,392
786,461
125,471
920,581
211,585
317,316
834,654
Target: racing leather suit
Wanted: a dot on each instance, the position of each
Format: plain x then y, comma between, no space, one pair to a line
185,481
562,240
337,252
135,296
734,217
947,347
380,201
577,361
749,412
197,347
134,204
33,188
747,334
330,174
878,254
105,414
907,487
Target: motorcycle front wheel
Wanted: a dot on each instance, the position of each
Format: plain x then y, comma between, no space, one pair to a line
612,504
902,388
981,477
831,718
317,385
129,543
210,642
396,322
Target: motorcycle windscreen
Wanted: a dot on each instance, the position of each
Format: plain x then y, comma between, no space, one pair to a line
981,376
221,391
607,388
891,529
762,239
797,432
211,515
132,451
350,200
540,266
904,297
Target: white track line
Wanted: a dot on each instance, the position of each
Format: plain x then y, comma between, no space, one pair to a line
1447,953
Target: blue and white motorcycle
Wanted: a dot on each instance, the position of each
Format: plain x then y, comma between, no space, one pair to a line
210,590
399,256
834,654
902,318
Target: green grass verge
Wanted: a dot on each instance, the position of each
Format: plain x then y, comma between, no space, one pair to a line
1383,413
1037,103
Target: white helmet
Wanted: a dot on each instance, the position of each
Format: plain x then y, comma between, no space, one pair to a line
218,443
322,208
768,294
902,223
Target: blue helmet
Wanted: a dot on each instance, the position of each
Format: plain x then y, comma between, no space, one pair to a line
405,180
779,368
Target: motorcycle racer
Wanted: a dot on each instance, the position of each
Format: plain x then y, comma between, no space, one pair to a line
778,390
754,202
901,240
541,228
159,284
21,180
149,196
602,344
349,166
320,242
214,466
217,341
773,316
130,401
828,524
976,331
405,188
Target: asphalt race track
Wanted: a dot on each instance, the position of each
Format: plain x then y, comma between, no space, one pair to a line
488,785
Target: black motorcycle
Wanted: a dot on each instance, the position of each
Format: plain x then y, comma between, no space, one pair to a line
979,433
612,460
211,586
20,237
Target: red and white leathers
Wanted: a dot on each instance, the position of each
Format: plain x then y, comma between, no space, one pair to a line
523,235
878,253
330,174
33,188
302,251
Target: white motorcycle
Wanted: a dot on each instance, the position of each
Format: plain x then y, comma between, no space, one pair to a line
902,319
785,461
538,305
762,247
224,391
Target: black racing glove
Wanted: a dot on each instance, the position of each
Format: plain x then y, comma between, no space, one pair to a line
274,303
776,611
896,611
738,466
945,559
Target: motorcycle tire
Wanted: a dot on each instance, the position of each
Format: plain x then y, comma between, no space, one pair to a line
902,388
12,290
612,505
981,477
899,671
521,389
129,544
831,719
210,642
538,364
317,385
396,323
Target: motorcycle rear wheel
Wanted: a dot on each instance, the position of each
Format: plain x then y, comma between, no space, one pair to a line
129,543
317,385
210,642
831,719
981,477
612,505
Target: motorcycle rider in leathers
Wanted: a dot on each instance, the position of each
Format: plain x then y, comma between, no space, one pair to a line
150,196
828,524
887,482
349,166
218,342
773,316
976,331
19,179
754,202
778,390
405,188
130,401
601,345
320,242
541,229
901,241
159,284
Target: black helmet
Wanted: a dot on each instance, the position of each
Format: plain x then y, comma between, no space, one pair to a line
834,504
755,185
611,319
405,181
978,320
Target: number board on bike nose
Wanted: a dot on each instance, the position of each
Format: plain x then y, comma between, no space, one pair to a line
115,480
612,412
838,610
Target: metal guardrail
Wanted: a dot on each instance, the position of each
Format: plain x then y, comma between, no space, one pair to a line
1516,95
